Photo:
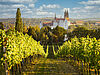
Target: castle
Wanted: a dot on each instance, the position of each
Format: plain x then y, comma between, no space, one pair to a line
62,22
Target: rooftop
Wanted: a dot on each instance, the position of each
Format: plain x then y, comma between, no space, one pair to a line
60,19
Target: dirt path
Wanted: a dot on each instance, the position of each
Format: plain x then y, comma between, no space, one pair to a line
49,67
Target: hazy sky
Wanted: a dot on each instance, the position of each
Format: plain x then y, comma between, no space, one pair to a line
48,8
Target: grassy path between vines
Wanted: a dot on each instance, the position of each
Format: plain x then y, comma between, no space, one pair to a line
49,67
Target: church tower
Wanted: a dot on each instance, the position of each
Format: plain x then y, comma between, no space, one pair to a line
66,14
55,16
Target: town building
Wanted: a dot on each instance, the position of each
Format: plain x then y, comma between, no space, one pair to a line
62,22
97,23
79,22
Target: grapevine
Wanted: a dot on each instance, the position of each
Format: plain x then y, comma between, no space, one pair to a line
83,49
19,46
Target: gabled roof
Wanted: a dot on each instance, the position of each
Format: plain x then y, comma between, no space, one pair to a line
60,19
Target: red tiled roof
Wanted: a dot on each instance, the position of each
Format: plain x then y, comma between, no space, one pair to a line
97,22
73,23
60,19
47,22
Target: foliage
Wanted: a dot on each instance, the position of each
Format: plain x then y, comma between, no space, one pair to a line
44,34
59,34
25,30
52,36
80,32
84,49
96,33
34,32
18,47
19,23
83,32
86,23
1,26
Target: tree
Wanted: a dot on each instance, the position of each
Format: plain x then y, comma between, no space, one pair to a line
35,32
44,35
96,33
79,32
19,23
1,26
25,30
59,33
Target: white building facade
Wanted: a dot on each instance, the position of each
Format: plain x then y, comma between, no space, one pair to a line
61,22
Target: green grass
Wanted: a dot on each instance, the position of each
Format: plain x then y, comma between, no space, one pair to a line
49,67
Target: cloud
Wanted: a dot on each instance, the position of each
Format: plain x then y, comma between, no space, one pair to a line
90,6
76,8
32,5
91,2
28,12
85,12
19,1
85,9
89,9
7,14
47,10
11,8
40,8
49,6
19,6
44,13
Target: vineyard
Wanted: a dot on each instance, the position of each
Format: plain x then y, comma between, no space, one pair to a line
83,51
18,50
16,47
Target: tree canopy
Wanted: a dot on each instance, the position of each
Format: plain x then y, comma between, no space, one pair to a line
19,23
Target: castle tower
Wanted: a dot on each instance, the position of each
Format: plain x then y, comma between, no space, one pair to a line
66,14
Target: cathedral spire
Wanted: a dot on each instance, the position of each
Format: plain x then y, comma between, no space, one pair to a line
66,14
55,16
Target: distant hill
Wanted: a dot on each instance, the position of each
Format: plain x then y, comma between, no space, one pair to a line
27,21
36,21
87,19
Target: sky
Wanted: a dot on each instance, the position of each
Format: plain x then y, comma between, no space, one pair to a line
47,8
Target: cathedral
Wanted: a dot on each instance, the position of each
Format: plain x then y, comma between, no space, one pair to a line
62,22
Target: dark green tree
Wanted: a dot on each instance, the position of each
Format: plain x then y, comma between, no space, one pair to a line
59,33
1,26
25,30
19,23
44,35
79,32
34,32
